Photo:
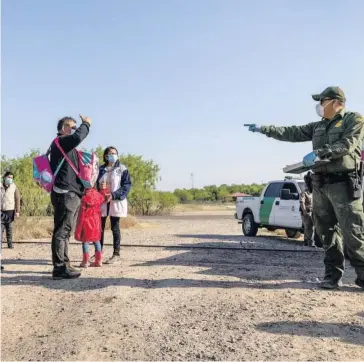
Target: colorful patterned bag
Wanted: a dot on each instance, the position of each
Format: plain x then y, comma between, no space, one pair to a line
42,171
88,165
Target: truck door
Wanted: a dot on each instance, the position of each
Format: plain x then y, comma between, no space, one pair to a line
267,202
287,212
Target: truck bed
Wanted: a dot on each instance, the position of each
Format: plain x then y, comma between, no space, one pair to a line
247,202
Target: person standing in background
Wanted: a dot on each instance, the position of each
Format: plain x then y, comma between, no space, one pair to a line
10,206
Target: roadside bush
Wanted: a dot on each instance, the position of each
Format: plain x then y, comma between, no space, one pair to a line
153,203
165,202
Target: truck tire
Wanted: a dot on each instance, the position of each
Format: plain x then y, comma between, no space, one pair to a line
249,227
292,233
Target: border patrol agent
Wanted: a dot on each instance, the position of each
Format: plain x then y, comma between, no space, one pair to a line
337,185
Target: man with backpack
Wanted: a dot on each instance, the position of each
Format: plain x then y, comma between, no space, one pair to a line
66,193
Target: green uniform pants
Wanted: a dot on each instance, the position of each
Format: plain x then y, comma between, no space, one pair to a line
339,221
308,226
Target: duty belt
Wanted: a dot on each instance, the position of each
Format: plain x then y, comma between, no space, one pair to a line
331,178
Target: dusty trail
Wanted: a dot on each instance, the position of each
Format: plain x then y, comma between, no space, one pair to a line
166,304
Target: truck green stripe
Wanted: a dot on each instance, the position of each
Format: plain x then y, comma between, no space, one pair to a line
265,210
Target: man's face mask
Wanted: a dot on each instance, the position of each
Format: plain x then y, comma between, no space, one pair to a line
68,130
320,109
8,181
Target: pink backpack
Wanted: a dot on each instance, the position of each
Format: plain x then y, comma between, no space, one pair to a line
87,173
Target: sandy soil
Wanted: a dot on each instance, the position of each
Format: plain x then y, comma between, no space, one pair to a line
186,303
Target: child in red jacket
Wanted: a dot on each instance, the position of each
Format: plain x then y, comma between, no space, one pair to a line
88,228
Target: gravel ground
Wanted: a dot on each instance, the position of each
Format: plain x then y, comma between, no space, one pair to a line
185,303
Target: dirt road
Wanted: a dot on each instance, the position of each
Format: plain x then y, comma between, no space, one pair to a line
191,303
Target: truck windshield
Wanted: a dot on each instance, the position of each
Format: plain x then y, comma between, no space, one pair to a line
302,186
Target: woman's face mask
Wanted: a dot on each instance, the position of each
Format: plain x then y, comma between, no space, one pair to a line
112,158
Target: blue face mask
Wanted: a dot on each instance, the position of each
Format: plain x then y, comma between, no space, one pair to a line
112,158
8,181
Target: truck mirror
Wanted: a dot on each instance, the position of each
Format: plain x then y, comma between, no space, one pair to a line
285,194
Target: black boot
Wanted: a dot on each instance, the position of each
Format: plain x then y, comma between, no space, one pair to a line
359,282
329,283
64,273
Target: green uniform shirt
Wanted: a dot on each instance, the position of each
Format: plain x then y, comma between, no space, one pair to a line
344,134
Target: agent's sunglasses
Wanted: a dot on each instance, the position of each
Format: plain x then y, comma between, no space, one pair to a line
324,100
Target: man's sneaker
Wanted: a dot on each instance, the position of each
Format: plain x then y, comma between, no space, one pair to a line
359,282
115,259
328,283
64,273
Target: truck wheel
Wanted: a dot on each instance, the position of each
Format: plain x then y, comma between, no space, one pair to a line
250,228
292,233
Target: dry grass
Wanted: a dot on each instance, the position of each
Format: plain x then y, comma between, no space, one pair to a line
28,228
125,222
204,207
41,227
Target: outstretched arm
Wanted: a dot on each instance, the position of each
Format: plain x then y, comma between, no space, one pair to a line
290,133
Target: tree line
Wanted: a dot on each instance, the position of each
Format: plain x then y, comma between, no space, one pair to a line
143,197
213,193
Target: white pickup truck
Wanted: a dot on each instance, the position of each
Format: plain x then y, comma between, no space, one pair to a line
278,207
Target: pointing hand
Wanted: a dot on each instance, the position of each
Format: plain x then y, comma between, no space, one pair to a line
253,127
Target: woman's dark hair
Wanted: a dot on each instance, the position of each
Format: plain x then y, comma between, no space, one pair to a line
64,120
107,150
8,173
